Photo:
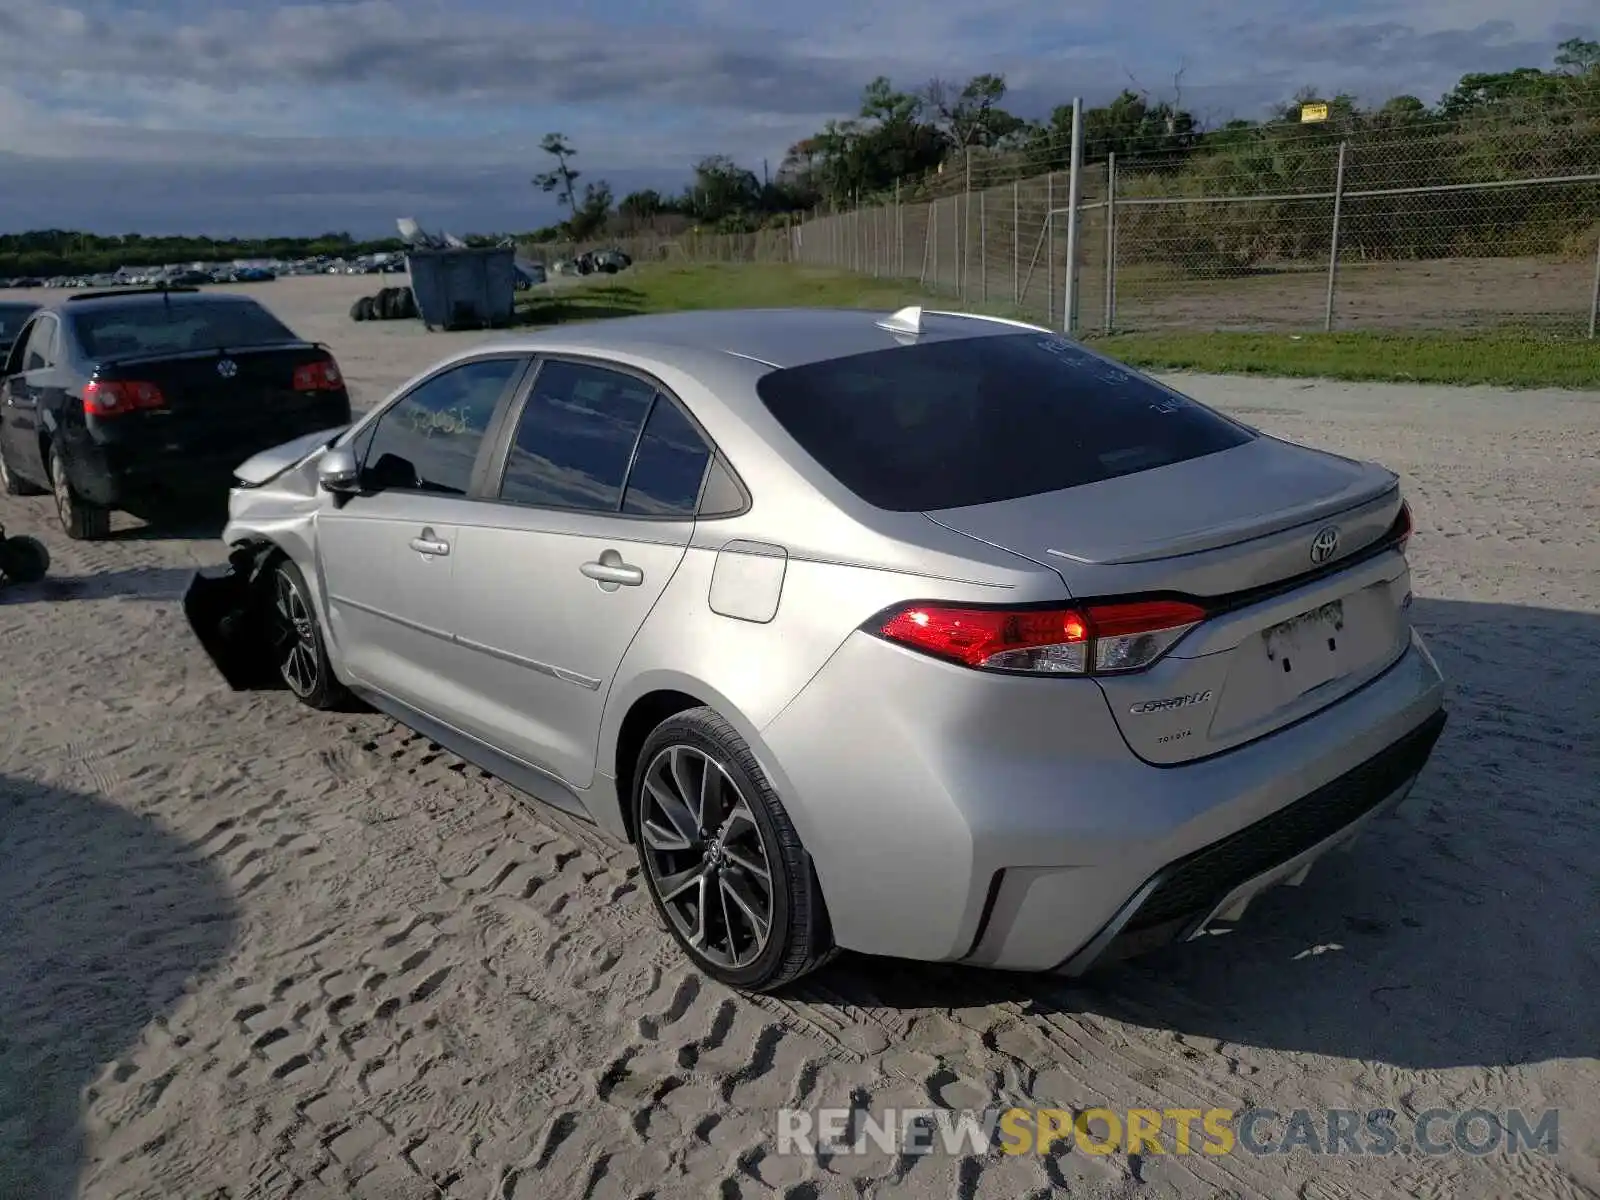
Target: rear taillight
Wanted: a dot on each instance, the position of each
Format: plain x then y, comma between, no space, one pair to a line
1092,639
319,376
1400,531
116,397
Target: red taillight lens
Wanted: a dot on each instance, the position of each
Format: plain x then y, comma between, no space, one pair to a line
1101,638
1401,531
320,376
999,639
117,397
1129,637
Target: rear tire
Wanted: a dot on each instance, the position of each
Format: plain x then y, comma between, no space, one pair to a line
299,653
727,841
11,484
83,522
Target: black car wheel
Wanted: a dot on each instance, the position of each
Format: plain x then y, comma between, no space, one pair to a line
83,521
10,483
295,636
721,859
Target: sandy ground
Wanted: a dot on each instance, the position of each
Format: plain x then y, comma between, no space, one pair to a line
252,951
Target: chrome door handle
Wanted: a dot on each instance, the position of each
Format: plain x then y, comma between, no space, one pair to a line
429,544
616,573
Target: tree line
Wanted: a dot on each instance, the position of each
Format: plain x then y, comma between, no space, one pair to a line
943,136
915,143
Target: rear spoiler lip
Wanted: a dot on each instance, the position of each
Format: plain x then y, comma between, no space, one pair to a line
218,352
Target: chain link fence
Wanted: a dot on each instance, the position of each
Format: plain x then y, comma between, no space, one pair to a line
1377,221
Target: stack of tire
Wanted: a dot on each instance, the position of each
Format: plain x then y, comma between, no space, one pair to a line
390,304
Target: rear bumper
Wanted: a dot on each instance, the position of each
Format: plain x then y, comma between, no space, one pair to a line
1214,885
996,823
124,478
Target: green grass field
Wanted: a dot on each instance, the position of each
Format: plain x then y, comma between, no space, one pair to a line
1513,359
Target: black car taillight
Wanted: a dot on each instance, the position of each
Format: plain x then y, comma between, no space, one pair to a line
118,397
322,375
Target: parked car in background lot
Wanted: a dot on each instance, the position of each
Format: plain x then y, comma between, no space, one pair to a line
120,400
927,635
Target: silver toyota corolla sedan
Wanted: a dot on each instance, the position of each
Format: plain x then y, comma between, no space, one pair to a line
918,634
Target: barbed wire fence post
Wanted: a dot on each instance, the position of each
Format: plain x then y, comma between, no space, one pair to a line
1111,242
1016,242
1048,236
899,233
1069,299
1333,238
965,205
1594,298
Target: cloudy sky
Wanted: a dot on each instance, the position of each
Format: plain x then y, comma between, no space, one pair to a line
241,116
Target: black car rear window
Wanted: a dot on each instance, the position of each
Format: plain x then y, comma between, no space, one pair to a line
971,421
126,330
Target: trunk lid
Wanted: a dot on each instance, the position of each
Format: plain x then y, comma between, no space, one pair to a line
229,401
1218,500
1293,629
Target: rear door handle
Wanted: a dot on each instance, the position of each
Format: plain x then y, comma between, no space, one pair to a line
428,543
611,569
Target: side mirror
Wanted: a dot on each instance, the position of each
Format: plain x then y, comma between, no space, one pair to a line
337,471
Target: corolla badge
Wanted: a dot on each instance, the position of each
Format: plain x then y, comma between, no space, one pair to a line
227,368
1170,703
1325,545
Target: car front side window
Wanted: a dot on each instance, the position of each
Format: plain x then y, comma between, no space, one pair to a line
428,440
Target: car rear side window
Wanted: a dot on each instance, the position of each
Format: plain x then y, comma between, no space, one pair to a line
176,327
428,441
668,467
41,349
972,421
576,437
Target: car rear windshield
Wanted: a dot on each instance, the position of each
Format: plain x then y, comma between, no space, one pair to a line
971,421
129,330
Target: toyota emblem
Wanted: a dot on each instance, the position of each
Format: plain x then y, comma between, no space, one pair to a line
227,368
1325,545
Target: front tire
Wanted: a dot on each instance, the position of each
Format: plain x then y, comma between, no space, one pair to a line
295,638
84,522
722,862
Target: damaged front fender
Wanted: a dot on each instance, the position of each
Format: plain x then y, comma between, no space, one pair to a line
227,613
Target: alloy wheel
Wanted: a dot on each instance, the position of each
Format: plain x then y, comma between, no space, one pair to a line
706,856
63,494
294,637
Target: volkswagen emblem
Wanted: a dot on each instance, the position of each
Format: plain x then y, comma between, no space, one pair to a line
1325,545
227,368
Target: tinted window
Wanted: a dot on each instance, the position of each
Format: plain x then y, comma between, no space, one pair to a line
668,466
12,318
952,423
576,437
175,327
427,441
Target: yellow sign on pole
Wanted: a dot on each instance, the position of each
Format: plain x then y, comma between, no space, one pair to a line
1313,112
